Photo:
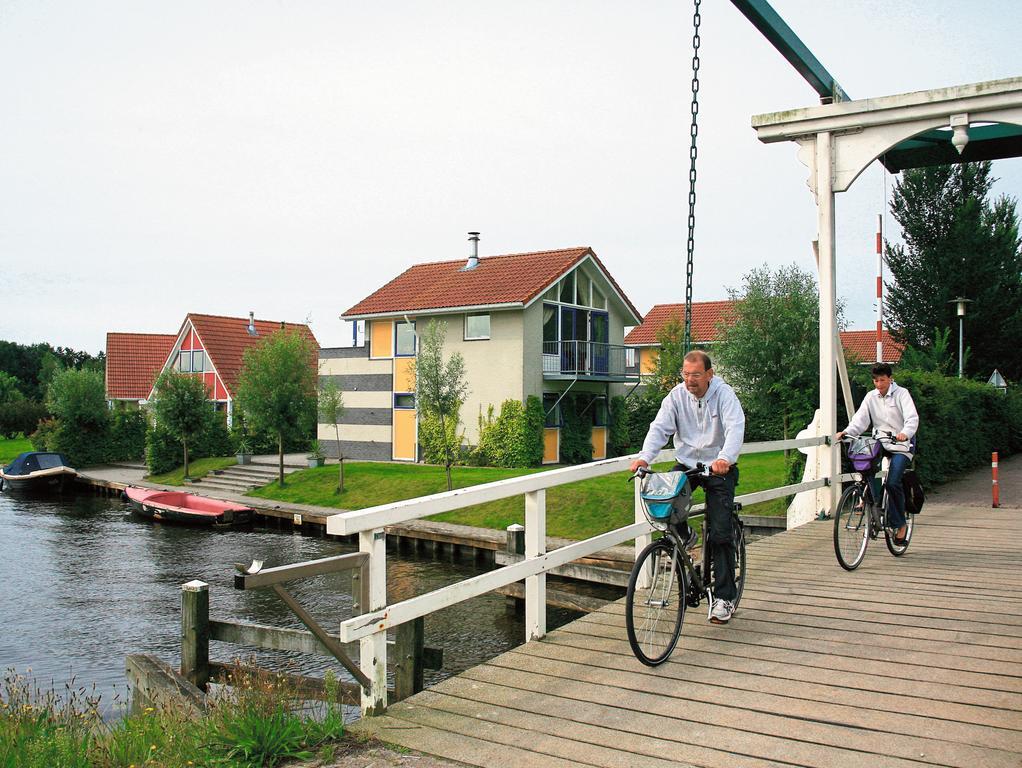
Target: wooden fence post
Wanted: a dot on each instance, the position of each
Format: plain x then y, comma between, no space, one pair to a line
195,633
372,655
535,545
408,664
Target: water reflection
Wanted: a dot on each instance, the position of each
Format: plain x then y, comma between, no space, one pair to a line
83,583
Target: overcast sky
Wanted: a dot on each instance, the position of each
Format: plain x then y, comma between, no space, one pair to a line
159,158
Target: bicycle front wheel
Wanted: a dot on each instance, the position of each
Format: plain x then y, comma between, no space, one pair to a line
654,613
851,527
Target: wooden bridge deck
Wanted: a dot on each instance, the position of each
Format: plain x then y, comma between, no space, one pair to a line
914,661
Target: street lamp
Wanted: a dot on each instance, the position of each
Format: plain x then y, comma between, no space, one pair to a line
960,301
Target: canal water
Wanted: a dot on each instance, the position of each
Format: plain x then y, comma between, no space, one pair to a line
83,583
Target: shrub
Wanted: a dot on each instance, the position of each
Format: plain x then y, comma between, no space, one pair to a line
640,414
431,438
163,451
619,437
126,441
44,438
20,417
576,429
514,438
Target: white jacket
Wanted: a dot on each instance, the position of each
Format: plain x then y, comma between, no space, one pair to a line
704,430
895,412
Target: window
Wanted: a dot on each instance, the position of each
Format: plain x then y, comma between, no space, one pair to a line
599,300
198,361
477,327
568,289
599,409
551,409
550,316
184,362
582,289
629,357
404,334
404,401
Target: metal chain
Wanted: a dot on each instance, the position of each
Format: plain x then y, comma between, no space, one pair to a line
693,152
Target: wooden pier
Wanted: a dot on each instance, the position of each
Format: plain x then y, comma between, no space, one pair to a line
906,662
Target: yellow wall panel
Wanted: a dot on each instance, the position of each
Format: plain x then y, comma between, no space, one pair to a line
381,339
551,445
599,443
404,374
404,435
648,357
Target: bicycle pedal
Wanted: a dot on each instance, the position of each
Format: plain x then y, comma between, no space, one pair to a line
692,601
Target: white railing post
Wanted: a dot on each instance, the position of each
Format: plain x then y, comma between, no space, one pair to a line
535,545
641,542
372,658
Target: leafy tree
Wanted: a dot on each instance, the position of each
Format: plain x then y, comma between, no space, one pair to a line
331,409
670,357
9,389
78,401
770,348
957,243
34,365
277,388
180,407
936,358
440,388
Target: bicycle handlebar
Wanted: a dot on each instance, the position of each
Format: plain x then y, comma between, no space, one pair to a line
700,469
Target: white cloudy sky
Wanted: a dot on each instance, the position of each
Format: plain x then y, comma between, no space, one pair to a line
289,158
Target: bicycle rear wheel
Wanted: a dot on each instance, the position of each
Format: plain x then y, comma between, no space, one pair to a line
653,615
851,527
894,548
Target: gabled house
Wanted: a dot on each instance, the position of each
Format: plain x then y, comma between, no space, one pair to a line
210,346
133,361
709,316
526,324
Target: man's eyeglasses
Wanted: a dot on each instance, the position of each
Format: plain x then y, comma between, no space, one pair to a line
695,376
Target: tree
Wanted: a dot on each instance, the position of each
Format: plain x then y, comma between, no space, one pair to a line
277,388
78,401
770,348
440,388
331,409
9,390
180,407
957,243
670,357
936,358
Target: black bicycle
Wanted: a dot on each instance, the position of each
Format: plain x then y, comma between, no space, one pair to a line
664,579
859,518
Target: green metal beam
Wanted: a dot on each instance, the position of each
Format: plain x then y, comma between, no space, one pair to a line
781,36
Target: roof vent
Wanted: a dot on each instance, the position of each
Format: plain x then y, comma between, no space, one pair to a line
251,324
473,258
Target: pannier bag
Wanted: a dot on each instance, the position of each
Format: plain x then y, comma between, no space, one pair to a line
865,453
913,492
668,496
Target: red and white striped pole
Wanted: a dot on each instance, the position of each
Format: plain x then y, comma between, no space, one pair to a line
880,288
996,487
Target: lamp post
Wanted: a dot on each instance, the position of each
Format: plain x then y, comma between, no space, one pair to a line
960,301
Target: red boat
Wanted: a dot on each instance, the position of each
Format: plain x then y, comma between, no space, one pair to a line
180,507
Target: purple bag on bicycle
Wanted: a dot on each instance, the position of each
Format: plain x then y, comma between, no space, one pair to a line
865,453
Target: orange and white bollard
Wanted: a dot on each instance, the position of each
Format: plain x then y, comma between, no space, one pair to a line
996,487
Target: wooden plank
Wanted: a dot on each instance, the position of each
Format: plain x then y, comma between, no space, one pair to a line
155,684
348,692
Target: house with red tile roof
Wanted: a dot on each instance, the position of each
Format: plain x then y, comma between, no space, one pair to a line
211,346
709,316
537,323
133,361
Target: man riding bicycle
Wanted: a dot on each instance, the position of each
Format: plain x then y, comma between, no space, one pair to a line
708,424
891,410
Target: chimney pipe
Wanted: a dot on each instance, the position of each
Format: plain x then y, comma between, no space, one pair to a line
251,324
473,258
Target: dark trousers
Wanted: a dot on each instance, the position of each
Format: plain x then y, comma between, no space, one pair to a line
895,493
720,536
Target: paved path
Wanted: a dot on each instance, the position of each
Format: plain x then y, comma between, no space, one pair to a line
912,661
974,489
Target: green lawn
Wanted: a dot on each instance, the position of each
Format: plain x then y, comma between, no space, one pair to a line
11,448
196,468
578,510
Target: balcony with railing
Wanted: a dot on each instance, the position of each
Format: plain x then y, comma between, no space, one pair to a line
588,360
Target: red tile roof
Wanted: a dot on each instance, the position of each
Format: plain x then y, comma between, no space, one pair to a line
133,361
707,316
225,340
862,345
510,279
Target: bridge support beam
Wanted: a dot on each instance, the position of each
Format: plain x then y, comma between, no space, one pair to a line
535,545
373,649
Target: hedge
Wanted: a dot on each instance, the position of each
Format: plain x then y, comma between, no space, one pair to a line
164,453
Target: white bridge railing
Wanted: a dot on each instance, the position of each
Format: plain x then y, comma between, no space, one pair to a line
370,628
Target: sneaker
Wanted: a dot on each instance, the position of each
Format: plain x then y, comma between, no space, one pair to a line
690,538
721,612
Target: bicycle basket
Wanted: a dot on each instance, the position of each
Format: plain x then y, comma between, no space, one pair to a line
667,497
865,453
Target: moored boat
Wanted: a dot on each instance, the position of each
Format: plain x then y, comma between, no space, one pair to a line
37,471
181,507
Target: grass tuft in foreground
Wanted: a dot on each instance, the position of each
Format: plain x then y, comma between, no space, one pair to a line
258,721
